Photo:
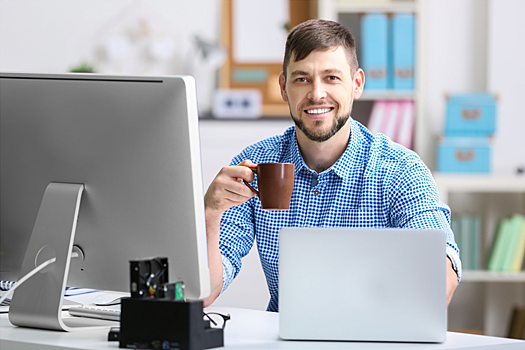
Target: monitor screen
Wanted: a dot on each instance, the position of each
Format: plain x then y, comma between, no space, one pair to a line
132,143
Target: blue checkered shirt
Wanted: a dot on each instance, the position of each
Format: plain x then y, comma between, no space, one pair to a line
375,183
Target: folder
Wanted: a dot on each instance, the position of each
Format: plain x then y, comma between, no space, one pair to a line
406,124
374,50
498,250
520,252
402,51
466,247
376,117
476,242
391,122
514,237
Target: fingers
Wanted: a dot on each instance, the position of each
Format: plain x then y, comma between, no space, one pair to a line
248,163
227,189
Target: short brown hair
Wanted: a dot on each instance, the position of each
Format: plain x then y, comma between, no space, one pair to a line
319,34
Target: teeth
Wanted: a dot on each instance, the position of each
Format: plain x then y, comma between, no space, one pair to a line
318,111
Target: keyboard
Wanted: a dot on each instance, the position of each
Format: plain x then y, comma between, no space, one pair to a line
109,313
66,304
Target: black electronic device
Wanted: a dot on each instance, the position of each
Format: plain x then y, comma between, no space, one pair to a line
148,277
154,323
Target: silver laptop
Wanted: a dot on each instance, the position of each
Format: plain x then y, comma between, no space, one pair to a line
359,284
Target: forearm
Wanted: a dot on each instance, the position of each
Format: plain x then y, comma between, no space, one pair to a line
213,222
452,281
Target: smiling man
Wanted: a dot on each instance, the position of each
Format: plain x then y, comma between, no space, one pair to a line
344,175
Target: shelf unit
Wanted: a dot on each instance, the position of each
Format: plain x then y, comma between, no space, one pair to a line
484,299
333,9
478,184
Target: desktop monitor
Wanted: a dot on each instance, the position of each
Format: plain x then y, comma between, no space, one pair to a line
121,154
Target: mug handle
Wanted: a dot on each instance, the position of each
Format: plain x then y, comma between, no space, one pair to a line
249,186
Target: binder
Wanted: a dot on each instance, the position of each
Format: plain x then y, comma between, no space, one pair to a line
520,251
512,242
391,122
374,50
376,117
476,242
466,247
402,51
498,250
407,121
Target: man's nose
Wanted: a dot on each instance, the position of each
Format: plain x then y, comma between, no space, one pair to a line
317,91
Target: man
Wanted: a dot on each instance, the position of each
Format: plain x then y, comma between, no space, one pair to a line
344,175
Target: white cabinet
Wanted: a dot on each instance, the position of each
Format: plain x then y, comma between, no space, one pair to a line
484,300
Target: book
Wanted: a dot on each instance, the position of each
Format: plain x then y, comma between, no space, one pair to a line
497,254
476,242
466,246
512,242
517,263
517,324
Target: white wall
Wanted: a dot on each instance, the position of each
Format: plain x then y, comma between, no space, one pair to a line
52,36
506,77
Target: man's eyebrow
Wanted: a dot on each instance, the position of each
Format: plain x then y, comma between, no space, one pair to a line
333,71
298,72
326,71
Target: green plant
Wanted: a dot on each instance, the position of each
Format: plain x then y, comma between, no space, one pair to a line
83,67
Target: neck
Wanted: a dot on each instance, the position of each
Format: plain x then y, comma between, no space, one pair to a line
320,156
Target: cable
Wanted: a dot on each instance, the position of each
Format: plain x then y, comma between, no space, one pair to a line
26,277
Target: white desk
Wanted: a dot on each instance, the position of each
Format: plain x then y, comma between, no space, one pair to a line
247,329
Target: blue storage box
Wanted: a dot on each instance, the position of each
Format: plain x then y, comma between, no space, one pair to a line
463,155
472,114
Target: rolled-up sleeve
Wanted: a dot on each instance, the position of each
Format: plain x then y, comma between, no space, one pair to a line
236,240
417,205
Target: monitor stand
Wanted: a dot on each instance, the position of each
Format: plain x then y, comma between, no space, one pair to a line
37,303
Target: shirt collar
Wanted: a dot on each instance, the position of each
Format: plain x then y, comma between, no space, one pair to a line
343,167
294,153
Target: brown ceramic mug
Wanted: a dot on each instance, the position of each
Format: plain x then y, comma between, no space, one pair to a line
275,182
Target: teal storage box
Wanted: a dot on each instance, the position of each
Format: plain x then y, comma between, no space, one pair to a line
464,155
472,114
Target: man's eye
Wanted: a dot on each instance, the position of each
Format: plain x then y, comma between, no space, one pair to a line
301,80
333,78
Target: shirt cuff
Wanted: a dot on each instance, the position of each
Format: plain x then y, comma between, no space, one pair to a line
456,262
227,273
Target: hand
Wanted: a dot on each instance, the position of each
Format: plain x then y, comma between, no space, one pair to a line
452,281
227,189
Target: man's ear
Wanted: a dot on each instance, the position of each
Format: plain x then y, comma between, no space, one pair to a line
359,83
282,85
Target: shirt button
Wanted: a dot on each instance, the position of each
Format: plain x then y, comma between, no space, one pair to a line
316,192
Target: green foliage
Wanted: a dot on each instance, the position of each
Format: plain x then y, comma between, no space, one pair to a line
84,67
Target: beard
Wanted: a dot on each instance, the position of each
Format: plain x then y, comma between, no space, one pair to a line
318,135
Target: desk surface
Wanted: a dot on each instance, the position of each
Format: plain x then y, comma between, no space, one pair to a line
247,329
